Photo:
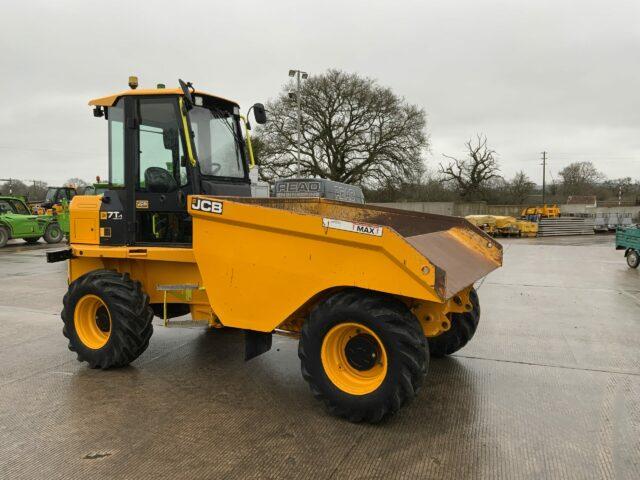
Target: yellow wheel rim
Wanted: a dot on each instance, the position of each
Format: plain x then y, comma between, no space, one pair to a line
92,321
354,358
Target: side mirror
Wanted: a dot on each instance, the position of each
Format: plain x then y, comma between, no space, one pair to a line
186,90
260,113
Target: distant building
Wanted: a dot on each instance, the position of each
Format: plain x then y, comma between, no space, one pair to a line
588,200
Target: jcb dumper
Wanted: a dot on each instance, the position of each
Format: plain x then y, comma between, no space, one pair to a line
370,292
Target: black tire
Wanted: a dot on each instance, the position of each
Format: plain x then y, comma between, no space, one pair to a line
463,328
4,236
633,258
130,318
53,233
404,344
32,240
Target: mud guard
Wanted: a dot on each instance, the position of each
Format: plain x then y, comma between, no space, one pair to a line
256,343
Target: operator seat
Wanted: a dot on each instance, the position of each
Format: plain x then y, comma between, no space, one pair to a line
159,180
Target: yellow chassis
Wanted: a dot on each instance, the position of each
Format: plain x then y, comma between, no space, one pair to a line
263,266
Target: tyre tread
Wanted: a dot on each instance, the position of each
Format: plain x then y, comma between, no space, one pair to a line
398,322
128,303
463,328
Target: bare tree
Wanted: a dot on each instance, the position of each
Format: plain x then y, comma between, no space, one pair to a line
14,187
617,186
33,189
470,175
430,188
37,190
353,131
520,187
76,182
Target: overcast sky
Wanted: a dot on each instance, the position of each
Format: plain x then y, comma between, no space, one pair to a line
561,76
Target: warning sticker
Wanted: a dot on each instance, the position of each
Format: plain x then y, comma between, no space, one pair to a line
366,229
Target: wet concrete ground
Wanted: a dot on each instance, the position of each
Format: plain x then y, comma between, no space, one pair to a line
548,388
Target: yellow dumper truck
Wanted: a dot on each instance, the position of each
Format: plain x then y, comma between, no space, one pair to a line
369,291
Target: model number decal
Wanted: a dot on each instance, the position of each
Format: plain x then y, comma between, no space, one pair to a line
375,230
205,205
110,215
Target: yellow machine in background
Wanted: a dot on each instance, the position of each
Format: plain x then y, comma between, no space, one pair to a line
543,211
369,291
505,226
527,229
485,222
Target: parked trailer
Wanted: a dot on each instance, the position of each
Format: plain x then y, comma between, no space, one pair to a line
614,222
600,223
628,239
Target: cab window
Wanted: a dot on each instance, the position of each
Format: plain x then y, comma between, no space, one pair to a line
19,207
160,143
5,207
116,144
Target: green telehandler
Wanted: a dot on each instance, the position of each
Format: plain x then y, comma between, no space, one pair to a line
16,221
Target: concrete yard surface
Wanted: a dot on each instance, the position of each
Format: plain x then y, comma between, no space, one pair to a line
548,388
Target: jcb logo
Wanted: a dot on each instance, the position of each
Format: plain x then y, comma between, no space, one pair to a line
205,205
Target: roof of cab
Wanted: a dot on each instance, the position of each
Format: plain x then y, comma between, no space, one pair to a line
110,100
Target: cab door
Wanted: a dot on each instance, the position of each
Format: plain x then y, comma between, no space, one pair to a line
24,224
161,181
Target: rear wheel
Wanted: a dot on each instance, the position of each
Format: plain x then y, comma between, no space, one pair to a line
4,236
53,233
463,328
633,258
32,240
363,354
107,319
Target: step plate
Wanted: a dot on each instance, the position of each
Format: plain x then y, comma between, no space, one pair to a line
187,324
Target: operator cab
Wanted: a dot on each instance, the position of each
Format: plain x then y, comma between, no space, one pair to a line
166,144
58,195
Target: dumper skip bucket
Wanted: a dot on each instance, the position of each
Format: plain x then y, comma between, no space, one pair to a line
266,257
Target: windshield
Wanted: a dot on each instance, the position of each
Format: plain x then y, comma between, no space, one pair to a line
5,207
216,145
51,195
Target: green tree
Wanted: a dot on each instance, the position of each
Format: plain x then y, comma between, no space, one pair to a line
580,178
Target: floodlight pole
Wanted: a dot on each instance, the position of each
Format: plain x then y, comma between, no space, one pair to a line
299,121
544,176
299,75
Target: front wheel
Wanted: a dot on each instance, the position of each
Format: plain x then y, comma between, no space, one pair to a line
4,236
463,328
363,354
107,319
633,258
53,233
